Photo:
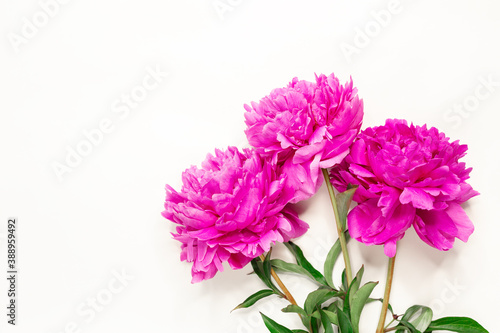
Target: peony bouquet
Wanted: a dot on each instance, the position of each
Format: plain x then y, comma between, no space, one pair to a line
240,203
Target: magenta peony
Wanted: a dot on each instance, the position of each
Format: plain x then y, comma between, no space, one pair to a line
407,175
306,126
232,209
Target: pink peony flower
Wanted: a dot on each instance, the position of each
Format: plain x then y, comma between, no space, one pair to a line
232,209
307,126
408,175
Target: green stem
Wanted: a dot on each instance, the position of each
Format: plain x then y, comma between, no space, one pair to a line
288,294
387,293
340,231
280,283
387,329
387,326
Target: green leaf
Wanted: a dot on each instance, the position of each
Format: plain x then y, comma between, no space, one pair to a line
456,324
266,265
359,274
409,326
381,300
419,316
355,283
289,267
337,303
254,298
303,262
343,203
325,320
273,326
344,281
316,298
332,316
405,328
316,315
412,310
358,303
344,323
263,271
295,309
306,321
347,304
315,324
299,331
259,270
331,259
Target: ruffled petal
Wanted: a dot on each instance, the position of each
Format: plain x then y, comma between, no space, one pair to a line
417,197
368,225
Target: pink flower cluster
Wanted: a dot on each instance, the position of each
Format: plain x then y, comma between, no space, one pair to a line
307,126
236,205
231,209
407,175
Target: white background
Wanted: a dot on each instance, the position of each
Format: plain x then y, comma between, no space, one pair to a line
103,218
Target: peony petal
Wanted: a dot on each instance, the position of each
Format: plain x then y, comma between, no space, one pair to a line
196,217
390,248
303,178
420,199
388,200
291,226
307,153
396,224
284,141
318,135
190,249
217,262
423,170
360,171
246,210
358,152
361,218
464,225
268,239
238,261
202,251
435,228
466,192
205,234
369,226
330,162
